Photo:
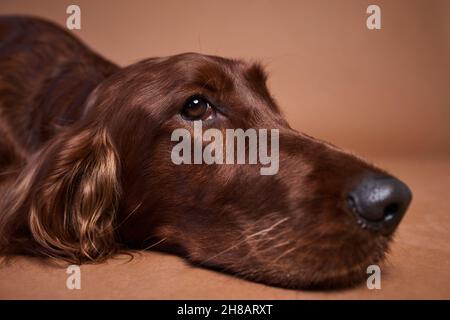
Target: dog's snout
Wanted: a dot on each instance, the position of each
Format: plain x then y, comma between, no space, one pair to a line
379,202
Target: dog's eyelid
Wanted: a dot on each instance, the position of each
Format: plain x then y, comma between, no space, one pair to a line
217,105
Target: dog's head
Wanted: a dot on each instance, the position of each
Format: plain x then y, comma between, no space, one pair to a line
109,182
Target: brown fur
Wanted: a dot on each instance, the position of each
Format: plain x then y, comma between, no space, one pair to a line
85,167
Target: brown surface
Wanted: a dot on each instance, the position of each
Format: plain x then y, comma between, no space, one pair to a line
375,92
418,266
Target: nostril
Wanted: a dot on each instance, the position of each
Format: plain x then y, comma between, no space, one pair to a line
391,211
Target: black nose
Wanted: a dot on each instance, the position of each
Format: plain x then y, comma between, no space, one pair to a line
379,202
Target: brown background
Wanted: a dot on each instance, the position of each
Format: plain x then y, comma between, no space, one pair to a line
384,94
384,91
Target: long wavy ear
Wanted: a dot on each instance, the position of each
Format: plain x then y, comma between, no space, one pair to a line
63,204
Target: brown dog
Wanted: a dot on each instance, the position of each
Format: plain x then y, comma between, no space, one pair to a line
85,168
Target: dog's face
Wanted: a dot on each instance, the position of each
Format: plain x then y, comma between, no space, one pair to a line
321,220
295,228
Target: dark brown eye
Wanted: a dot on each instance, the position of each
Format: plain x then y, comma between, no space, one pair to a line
197,108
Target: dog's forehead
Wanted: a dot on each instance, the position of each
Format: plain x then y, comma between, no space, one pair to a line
218,70
237,82
224,75
207,71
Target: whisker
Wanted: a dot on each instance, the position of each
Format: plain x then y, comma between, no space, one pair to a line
275,246
284,254
264,231
128,216
154,244
268,229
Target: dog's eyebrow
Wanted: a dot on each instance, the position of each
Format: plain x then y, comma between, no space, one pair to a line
209,85
213,78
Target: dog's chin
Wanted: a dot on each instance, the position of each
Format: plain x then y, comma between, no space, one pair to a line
338,279
293,274
317,280
319,276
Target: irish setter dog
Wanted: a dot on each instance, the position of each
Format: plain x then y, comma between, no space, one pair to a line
86,173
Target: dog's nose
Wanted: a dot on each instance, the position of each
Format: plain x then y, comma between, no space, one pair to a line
379,202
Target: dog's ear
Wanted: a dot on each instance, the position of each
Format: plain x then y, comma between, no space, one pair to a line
67,197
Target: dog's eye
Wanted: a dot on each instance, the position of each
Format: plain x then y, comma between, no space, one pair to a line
197,108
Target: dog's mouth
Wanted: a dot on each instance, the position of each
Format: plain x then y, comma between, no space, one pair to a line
309,271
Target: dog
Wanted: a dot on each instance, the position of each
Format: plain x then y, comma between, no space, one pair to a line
85,169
